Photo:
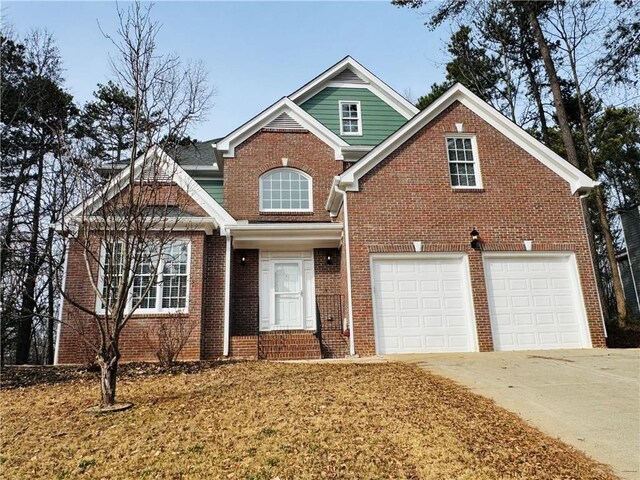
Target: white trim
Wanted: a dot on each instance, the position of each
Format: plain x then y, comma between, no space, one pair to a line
284,210
352,342
56,354
583,323
286,236
181,178
386,93
227,294
307,298
577,180
358,118
284,105
157,310
476,160
466,274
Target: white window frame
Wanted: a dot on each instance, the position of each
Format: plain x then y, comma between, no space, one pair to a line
359,110
476,161
158,308
283,210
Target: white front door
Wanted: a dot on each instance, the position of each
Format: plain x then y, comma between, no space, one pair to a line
287,295
287,291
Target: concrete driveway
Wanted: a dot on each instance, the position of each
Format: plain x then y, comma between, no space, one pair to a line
588,398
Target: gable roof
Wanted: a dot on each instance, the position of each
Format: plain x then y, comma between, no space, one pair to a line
118,183
349,179
273,113
347,70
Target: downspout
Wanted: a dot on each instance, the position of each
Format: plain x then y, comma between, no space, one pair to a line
352,343
64,285
227,292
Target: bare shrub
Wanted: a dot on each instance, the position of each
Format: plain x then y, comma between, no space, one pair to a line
169,336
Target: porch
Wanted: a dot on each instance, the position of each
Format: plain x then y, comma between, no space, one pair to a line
286,299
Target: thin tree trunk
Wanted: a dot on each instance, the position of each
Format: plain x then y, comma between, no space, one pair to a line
618,289
108,370
28,305
561,113
567,137
50,321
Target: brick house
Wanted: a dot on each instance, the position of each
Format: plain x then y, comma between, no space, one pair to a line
341,220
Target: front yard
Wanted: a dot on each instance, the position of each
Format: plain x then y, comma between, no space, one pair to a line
274,420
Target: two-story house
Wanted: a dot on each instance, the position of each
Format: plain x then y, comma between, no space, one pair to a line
340,220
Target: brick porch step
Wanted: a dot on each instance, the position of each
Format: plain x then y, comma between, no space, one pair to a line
292,345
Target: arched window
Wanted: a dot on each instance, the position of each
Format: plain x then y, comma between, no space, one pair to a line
285,190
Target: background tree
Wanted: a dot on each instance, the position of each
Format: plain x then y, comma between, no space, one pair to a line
568,54
35,119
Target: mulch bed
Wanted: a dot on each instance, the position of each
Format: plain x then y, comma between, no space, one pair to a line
627,337
19,376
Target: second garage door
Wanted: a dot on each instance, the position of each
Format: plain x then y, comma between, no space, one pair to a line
535,302
422,304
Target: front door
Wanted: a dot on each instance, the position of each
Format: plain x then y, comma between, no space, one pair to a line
287,291
287,295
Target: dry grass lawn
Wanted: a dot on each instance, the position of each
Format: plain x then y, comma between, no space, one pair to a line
259,420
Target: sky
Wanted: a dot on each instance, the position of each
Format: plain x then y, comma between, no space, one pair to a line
255,52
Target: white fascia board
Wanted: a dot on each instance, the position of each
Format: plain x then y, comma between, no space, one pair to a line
284,236
284,105
178,224
181,178
393,98
113,187
576,179
285,227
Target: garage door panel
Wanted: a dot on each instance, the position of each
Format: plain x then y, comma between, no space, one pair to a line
428,299
540,308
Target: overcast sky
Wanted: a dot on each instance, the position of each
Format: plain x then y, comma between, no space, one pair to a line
255,52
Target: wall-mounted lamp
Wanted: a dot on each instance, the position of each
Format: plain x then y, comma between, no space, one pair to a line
475,239
243,260
329,259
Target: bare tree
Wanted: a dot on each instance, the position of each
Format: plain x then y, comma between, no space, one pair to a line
126,232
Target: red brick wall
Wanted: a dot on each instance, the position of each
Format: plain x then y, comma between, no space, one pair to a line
212,344
133,344
409,197
244,292
264,151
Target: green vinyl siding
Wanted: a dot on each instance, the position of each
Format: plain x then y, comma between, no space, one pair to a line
213,187
379,120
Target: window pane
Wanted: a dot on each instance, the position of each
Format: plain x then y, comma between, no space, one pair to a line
283,190
461,162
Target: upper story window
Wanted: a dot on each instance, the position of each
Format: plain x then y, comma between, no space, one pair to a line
464,167
350,118
159,282
285,190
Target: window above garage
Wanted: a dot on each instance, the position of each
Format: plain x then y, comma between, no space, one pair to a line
464,166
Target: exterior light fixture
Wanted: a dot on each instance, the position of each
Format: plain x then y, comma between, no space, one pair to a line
475,239
243,260
329,259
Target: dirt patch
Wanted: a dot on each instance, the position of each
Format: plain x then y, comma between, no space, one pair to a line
258,420
627,337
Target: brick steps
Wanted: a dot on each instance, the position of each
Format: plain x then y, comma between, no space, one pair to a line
293,345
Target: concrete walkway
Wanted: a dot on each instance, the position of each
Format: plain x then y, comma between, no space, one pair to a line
589,399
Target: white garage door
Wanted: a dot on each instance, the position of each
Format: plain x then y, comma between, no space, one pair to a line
422,304
535,303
